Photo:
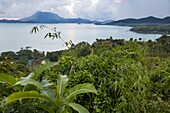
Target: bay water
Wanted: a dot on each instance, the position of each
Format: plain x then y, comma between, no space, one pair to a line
15,36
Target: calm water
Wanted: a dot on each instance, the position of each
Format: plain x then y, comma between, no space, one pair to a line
15,36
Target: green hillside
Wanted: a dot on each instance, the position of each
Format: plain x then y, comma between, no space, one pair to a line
109,76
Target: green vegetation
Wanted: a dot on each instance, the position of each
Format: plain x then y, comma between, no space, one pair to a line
42,96
152,29
109,76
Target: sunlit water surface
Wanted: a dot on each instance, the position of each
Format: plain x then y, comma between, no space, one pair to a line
13,37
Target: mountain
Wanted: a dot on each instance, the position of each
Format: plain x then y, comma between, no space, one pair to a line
141,21
167,19
42,17
48,17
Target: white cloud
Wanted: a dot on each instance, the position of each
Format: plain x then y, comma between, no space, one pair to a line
91,9
22,8
94,2
118,1
101,9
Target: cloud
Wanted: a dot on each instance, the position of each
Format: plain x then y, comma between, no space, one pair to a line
22,8
118,1
143,8
90,9
101,9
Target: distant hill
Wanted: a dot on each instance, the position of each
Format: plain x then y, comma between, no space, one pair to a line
141,21
48,17
9,21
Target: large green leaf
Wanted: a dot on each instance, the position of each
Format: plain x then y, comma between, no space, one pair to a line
38,70
9,80
29,76
25,95
26,105
29,81
46,108
62,80
42,68
78,89
78,108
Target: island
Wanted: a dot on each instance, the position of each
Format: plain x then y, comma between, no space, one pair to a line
151,29
147,25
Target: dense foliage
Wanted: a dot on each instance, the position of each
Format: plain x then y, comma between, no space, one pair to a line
39,96
129,76
154,29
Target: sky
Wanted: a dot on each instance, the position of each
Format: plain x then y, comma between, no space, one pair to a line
89,9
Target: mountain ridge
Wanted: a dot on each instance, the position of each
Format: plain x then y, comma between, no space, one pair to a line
48,17
42,17
141,21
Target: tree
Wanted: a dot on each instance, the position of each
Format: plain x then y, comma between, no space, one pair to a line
83,51
140,39
53,56
25,53
37,54
9,54
131,39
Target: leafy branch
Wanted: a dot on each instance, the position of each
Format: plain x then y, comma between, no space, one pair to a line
54,34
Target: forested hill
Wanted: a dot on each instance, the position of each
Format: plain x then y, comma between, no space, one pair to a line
48,17
141,21
152,29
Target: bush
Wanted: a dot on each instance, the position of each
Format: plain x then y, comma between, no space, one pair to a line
83,51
